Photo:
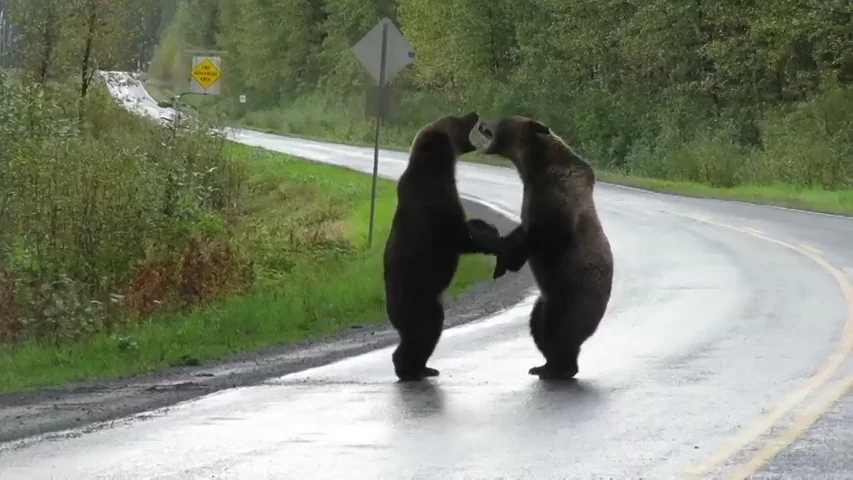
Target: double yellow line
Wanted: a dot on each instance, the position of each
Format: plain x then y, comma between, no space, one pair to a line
801,423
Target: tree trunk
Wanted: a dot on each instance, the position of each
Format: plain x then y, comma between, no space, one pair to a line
86,60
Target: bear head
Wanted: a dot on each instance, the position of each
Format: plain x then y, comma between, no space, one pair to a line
451,129
516,138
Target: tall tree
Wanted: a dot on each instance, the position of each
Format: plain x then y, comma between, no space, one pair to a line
41,24
97,31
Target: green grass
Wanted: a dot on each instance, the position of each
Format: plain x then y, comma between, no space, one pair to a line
783,195
308,283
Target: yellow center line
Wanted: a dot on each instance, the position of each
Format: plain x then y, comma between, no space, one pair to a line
767,421
811,249
753,230
786,438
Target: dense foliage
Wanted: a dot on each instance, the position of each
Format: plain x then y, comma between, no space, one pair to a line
105,216
715,91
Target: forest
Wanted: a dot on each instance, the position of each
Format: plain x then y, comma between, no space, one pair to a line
719,92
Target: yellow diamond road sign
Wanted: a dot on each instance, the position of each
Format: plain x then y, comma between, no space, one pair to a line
206,73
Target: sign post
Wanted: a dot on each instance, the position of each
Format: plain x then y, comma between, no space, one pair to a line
383,52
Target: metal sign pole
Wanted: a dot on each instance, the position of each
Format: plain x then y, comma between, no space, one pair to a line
381,98
395,52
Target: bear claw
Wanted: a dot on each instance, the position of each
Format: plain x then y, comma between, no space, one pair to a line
545,372
426,372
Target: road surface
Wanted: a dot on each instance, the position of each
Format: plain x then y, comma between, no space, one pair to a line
725,351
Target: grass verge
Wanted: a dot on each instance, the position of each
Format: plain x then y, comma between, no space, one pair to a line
305,125
782,195
309,281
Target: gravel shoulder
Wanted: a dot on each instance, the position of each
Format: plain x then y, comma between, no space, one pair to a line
78,405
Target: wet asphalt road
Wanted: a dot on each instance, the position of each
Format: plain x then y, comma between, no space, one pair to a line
711,336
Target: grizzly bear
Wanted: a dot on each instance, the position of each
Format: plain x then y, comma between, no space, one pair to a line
560,236
429,232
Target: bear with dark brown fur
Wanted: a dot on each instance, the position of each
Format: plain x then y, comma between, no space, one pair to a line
429,232
560,236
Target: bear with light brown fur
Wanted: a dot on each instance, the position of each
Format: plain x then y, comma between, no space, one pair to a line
560,236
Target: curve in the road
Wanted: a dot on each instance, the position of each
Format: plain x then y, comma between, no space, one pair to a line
795,398
691,347
786,438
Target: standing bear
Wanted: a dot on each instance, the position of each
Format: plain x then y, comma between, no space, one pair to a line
560,236
429,232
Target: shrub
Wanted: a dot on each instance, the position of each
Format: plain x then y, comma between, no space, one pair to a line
107,215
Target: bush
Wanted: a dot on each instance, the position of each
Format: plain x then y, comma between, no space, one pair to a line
96,210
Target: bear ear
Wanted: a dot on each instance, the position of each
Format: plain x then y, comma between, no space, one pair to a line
540,128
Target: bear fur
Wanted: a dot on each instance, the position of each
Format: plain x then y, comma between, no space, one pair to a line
429,232
560,236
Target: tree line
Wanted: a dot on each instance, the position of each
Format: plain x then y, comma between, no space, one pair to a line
718,91
60,40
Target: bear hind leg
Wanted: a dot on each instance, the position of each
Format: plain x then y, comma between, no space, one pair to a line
550,325
418,341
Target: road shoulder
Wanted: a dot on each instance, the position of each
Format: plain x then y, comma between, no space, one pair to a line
84,403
